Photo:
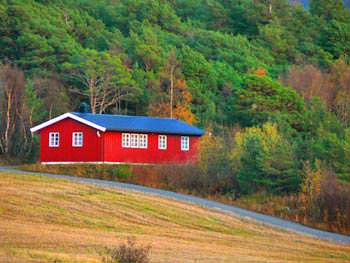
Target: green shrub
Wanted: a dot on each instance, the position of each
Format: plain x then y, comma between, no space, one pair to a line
266,161
121,171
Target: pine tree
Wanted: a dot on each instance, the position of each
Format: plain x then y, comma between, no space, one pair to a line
329,9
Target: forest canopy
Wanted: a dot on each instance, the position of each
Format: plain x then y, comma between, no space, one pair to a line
217,64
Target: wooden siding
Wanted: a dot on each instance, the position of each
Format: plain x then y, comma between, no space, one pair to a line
91,151
107,147
114,152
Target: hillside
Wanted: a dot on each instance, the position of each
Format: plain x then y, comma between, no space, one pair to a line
268,81
67,52
45,219
215,44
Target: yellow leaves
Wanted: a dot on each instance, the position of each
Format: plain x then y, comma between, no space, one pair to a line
181,109
268,133
208,144
311,186
183,112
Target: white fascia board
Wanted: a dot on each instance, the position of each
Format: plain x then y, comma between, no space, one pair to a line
64,116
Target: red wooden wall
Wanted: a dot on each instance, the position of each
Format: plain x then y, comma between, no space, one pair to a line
108,147
90,152
114,152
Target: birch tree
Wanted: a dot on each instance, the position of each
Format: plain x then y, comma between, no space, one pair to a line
12,85
105,80
173,99
172,65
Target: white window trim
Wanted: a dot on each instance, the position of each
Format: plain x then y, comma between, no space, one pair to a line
58,141
162,147
139,141
74,142
126,144
188,143
136,136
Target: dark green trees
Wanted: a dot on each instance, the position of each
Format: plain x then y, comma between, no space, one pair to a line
266,161
262,99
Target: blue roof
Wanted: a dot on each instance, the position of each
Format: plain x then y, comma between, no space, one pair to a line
144,124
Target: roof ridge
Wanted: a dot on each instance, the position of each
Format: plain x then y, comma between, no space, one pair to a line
112,122
129,116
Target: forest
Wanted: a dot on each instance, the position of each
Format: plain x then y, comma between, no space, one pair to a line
269,80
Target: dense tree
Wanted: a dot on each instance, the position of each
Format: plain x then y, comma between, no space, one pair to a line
340,77
106,80
12,91
173,97
50,90
309,82
261,98
215,63
329,9
18,106
266,161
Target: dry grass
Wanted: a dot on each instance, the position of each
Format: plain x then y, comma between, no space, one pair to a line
43,220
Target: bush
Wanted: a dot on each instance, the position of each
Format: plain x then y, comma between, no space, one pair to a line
332,204
212,174
266,161
326,200
128,252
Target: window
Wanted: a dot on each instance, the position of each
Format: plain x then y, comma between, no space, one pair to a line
77,139
126,140
54,139
134,140
185,143
162,142
143,141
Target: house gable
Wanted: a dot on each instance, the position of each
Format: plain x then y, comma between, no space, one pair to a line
64,116
66,150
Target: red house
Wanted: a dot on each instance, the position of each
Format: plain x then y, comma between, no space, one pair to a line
103,138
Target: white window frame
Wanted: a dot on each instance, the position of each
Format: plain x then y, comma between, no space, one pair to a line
185,143
54,139
134,140
76,141
126,140
162,142
143,141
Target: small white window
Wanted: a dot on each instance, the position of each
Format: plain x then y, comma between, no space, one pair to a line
143,141
134,140
54,139
126,140
77,139
162,142
185,143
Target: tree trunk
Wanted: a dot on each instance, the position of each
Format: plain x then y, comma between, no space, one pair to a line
8,122
171,91
50,112
92,95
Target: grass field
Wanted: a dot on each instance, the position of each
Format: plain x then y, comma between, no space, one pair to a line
43,220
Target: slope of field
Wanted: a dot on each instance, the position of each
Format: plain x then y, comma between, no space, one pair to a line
43,219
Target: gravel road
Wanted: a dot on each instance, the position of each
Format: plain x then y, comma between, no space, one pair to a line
229,209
